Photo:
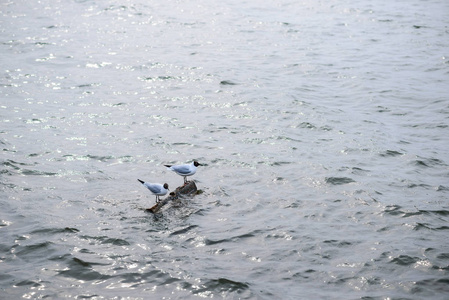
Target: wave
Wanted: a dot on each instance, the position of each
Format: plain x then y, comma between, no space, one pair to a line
339,180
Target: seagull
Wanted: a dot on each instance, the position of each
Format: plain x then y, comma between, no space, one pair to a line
156,188
184,170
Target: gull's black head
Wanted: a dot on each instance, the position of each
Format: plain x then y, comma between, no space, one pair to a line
196,164
166,186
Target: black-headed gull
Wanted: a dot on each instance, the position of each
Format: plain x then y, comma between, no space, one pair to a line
184,170
156,188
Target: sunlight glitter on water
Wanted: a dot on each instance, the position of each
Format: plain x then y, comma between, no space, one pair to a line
321,128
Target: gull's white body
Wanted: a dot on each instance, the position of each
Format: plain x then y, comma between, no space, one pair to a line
184,170
155,188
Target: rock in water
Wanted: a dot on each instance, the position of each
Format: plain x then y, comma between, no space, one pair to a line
188,188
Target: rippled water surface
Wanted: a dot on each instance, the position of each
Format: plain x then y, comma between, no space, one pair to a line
322,127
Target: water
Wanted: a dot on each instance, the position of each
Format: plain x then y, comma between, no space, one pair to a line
323,127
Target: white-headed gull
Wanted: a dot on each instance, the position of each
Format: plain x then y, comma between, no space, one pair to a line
156,188
184,170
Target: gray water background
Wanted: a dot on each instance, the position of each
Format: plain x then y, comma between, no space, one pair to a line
323,127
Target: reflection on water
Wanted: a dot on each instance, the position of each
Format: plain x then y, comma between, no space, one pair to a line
321,126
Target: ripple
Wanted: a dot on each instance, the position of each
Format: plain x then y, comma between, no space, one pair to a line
442,188
443,256
338,243
55,230
393,210
161,78
183,230
391,153
4,223
227,82
37,173
106,240
18,166
34,250
297,129
405,260
429,162
82,270
305,125
420,226
440,212
339,180
222,285
32,284
440,285
232,239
